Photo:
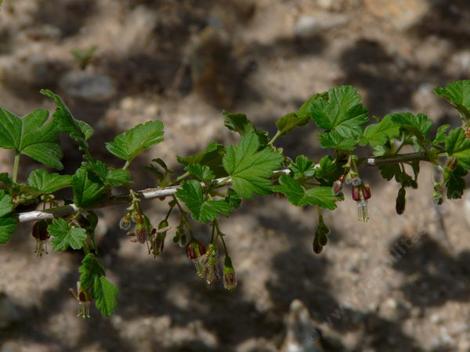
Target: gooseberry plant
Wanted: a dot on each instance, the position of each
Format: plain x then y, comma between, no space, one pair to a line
216,180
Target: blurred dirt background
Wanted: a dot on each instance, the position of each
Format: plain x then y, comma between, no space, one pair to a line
398,283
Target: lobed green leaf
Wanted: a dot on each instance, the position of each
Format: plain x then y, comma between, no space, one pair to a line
87,188
341,114
250,168
8,225
202,209
78,130
129,144
298,195
105,294
35,135
457,145
65,236
46,182
457,94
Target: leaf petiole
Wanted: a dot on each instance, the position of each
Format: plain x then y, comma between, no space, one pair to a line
16,167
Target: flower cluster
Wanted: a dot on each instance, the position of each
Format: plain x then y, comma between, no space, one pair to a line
142,229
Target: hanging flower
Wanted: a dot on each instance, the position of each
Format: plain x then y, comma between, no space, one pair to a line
157,238
84,299
206,265
230,277
361,193
338,185
41,235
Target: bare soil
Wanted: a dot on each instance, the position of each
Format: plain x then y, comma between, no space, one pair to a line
397,283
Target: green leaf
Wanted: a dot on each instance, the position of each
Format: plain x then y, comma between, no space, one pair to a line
202,209
201,172
454,181
298,195
35,135
117,177
419,124
78,130
138,139
441,134
108,176
105,294
92,278
7,228
302,167
66,236
251,169
48,182
457,94
233,199
87,188
341,114
211,157
288,122
305,110
458,146
328,170
238,123
389,171
379,133
6,204
89,270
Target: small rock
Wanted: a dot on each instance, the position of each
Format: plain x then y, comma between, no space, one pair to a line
401,14
9,312
460,63
307,26
435,318
88,86
301,333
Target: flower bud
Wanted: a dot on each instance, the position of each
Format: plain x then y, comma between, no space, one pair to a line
212,271
140,232
194,249
40,230
157,238
337,187
401,201
41,235
181,238
321,236
229,277
356,193
84,299
365,189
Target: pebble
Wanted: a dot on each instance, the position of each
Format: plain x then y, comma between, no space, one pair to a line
460,63
401,14
88,86
307,26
